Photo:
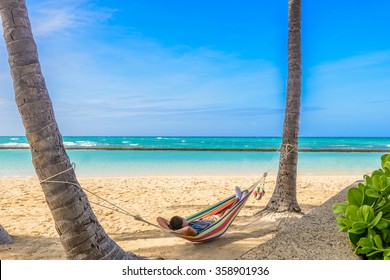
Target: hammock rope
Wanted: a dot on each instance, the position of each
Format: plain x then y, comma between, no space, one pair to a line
116,208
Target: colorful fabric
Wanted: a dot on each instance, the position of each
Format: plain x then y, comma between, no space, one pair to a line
218,228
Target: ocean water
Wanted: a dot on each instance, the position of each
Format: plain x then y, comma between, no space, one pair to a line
129,156
125,142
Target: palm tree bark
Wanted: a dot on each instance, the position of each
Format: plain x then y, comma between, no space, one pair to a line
80,233
284,195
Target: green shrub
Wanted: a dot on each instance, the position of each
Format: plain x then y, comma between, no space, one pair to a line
365,216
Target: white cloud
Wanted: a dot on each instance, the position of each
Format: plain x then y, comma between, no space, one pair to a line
53,20
354,79
362,61
53,17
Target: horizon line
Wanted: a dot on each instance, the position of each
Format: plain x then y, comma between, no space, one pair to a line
304,150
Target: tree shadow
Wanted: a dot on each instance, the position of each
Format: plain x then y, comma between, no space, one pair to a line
244,234
27,247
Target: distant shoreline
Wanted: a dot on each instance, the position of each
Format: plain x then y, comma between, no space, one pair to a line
215,149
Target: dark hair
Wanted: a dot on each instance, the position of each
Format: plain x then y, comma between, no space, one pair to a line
176,223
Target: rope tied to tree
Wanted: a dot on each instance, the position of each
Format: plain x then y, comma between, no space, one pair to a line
284,154
287,145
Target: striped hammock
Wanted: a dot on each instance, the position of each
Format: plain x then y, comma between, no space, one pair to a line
218,228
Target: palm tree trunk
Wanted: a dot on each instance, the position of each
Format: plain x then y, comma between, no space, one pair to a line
284,196
80,233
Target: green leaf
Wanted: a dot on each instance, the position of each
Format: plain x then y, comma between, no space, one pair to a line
386,252
364,250
386,189
372,193
341,224
367,199
376,252
385,235
381,225
376,220
358,227
361,186
384,183
351,213
366,242
378,242
386,207
355,238
368,213
339,208
367,180
377,173
355,197
376,179
371,233
360,215
385,162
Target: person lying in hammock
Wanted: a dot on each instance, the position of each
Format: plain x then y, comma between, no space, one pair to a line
181,226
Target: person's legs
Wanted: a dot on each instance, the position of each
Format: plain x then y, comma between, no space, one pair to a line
238,192
236,200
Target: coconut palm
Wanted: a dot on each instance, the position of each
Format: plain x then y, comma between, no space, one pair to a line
284,195
80,233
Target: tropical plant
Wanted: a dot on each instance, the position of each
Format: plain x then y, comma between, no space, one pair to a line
80,233
365,215
284,195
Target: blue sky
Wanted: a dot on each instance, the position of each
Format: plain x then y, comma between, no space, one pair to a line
213,68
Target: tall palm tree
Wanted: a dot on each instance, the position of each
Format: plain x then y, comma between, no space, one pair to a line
284,195
80,233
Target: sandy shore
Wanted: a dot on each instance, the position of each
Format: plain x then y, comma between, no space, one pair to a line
25,215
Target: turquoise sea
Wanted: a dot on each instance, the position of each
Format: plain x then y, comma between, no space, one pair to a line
140,156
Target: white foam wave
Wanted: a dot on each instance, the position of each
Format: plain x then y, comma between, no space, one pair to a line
69,143
14,138
14,145
167,138
86,143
